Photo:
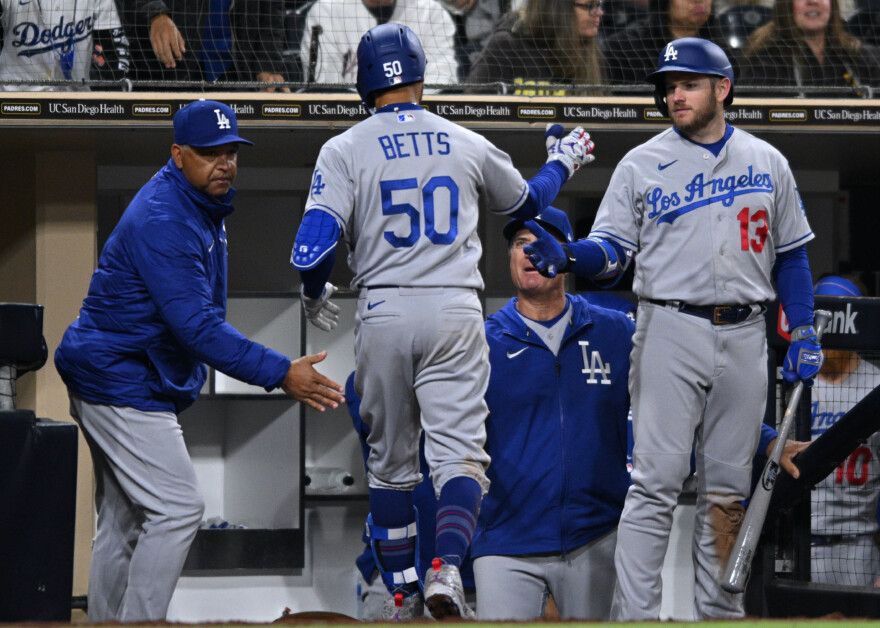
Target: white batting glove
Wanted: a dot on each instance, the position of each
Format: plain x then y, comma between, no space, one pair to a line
572,151
321,312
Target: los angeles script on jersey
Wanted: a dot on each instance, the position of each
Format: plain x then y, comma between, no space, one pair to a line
701,192
38,40
413,144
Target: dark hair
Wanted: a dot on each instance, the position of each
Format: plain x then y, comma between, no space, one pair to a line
782,31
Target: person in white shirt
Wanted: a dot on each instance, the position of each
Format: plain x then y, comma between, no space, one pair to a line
337,26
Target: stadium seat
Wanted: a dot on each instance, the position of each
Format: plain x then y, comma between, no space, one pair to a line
865,23
738,22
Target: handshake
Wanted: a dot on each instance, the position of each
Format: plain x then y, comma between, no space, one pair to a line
572,150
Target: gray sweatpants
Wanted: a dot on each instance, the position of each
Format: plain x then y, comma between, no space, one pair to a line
149,508
693,385
516,588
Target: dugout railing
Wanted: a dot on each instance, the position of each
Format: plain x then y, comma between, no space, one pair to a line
779,585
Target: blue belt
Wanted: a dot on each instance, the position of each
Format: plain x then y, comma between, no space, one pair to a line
718,314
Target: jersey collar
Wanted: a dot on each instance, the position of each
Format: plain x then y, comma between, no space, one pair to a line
714,147
401,106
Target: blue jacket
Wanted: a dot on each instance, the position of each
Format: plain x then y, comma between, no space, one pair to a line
156,306
557,432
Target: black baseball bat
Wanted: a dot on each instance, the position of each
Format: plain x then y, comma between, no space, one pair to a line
737,571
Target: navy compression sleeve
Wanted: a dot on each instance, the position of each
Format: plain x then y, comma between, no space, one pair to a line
314,278
795,286
543,188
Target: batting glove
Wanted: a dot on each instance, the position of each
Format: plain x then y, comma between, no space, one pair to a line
321,312
572,151
804,357
546,254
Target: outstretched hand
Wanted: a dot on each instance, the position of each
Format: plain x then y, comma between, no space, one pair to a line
545,253
305,384
572,151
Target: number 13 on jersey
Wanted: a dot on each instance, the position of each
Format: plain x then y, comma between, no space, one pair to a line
753,229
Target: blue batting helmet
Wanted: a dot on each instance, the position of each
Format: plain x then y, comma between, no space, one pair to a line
689,54
389,55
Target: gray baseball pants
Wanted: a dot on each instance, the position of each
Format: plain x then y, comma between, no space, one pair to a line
149,509
694,385
422,362
516,588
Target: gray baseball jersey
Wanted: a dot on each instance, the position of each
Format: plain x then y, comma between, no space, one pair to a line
706,229
51,39
846,501
404,187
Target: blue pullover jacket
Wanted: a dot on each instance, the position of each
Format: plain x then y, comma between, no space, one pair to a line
156,307
557,432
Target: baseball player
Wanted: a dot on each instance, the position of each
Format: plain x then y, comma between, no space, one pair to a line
548,524
402,188
844,505
374,593
714,215
52,40
134,359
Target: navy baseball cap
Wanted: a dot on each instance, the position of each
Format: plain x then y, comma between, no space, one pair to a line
553,220
206,123
836,287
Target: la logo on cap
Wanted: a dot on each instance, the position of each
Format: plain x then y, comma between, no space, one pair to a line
222,121
671,53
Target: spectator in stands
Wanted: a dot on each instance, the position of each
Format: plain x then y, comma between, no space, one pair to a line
631,54
844,505
206,40
334,29
546,42
480,21
53,42
805,45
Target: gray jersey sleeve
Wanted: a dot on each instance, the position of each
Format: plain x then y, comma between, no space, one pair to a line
504,186
332,190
